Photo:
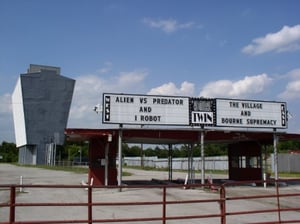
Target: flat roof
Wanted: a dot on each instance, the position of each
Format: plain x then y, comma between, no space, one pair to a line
178,136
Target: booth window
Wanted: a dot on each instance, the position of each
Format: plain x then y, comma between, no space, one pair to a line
245,162
253,162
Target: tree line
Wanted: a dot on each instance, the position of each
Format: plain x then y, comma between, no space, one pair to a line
73,150
177,151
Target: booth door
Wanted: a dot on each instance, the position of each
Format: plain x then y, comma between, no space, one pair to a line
245,161
97,162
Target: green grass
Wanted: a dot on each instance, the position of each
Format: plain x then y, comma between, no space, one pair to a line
126,174
293,175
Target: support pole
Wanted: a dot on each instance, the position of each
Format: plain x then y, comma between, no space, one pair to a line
120,156
170,162
202,157
106,164
142,155
275,141
265,166
189,163
192,176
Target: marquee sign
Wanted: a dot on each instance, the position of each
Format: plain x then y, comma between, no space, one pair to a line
176,110
145,109
250,114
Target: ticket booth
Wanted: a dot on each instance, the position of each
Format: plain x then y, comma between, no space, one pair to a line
102,162
245,161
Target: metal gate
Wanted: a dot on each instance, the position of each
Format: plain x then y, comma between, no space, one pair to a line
228,203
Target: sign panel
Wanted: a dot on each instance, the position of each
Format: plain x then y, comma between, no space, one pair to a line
251,114
203,111
145,109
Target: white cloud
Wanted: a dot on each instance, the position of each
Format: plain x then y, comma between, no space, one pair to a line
107,68
246,87
168,26
292,89
294,74
6,119
186,89
5,102
131,79
88,92
287,39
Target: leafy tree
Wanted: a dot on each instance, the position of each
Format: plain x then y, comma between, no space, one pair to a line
9,152
132,151
285,146
125,149
184,151
179,152
161,153
72,150
149,152
215,149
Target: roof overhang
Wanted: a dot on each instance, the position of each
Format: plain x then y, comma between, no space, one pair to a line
178,136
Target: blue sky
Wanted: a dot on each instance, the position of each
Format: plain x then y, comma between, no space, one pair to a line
235,49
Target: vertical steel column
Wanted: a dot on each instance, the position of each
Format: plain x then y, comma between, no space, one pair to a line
202,157
142,152
264,164
109,139
142,155
170,162
106,164
189,164
275,140
120,156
